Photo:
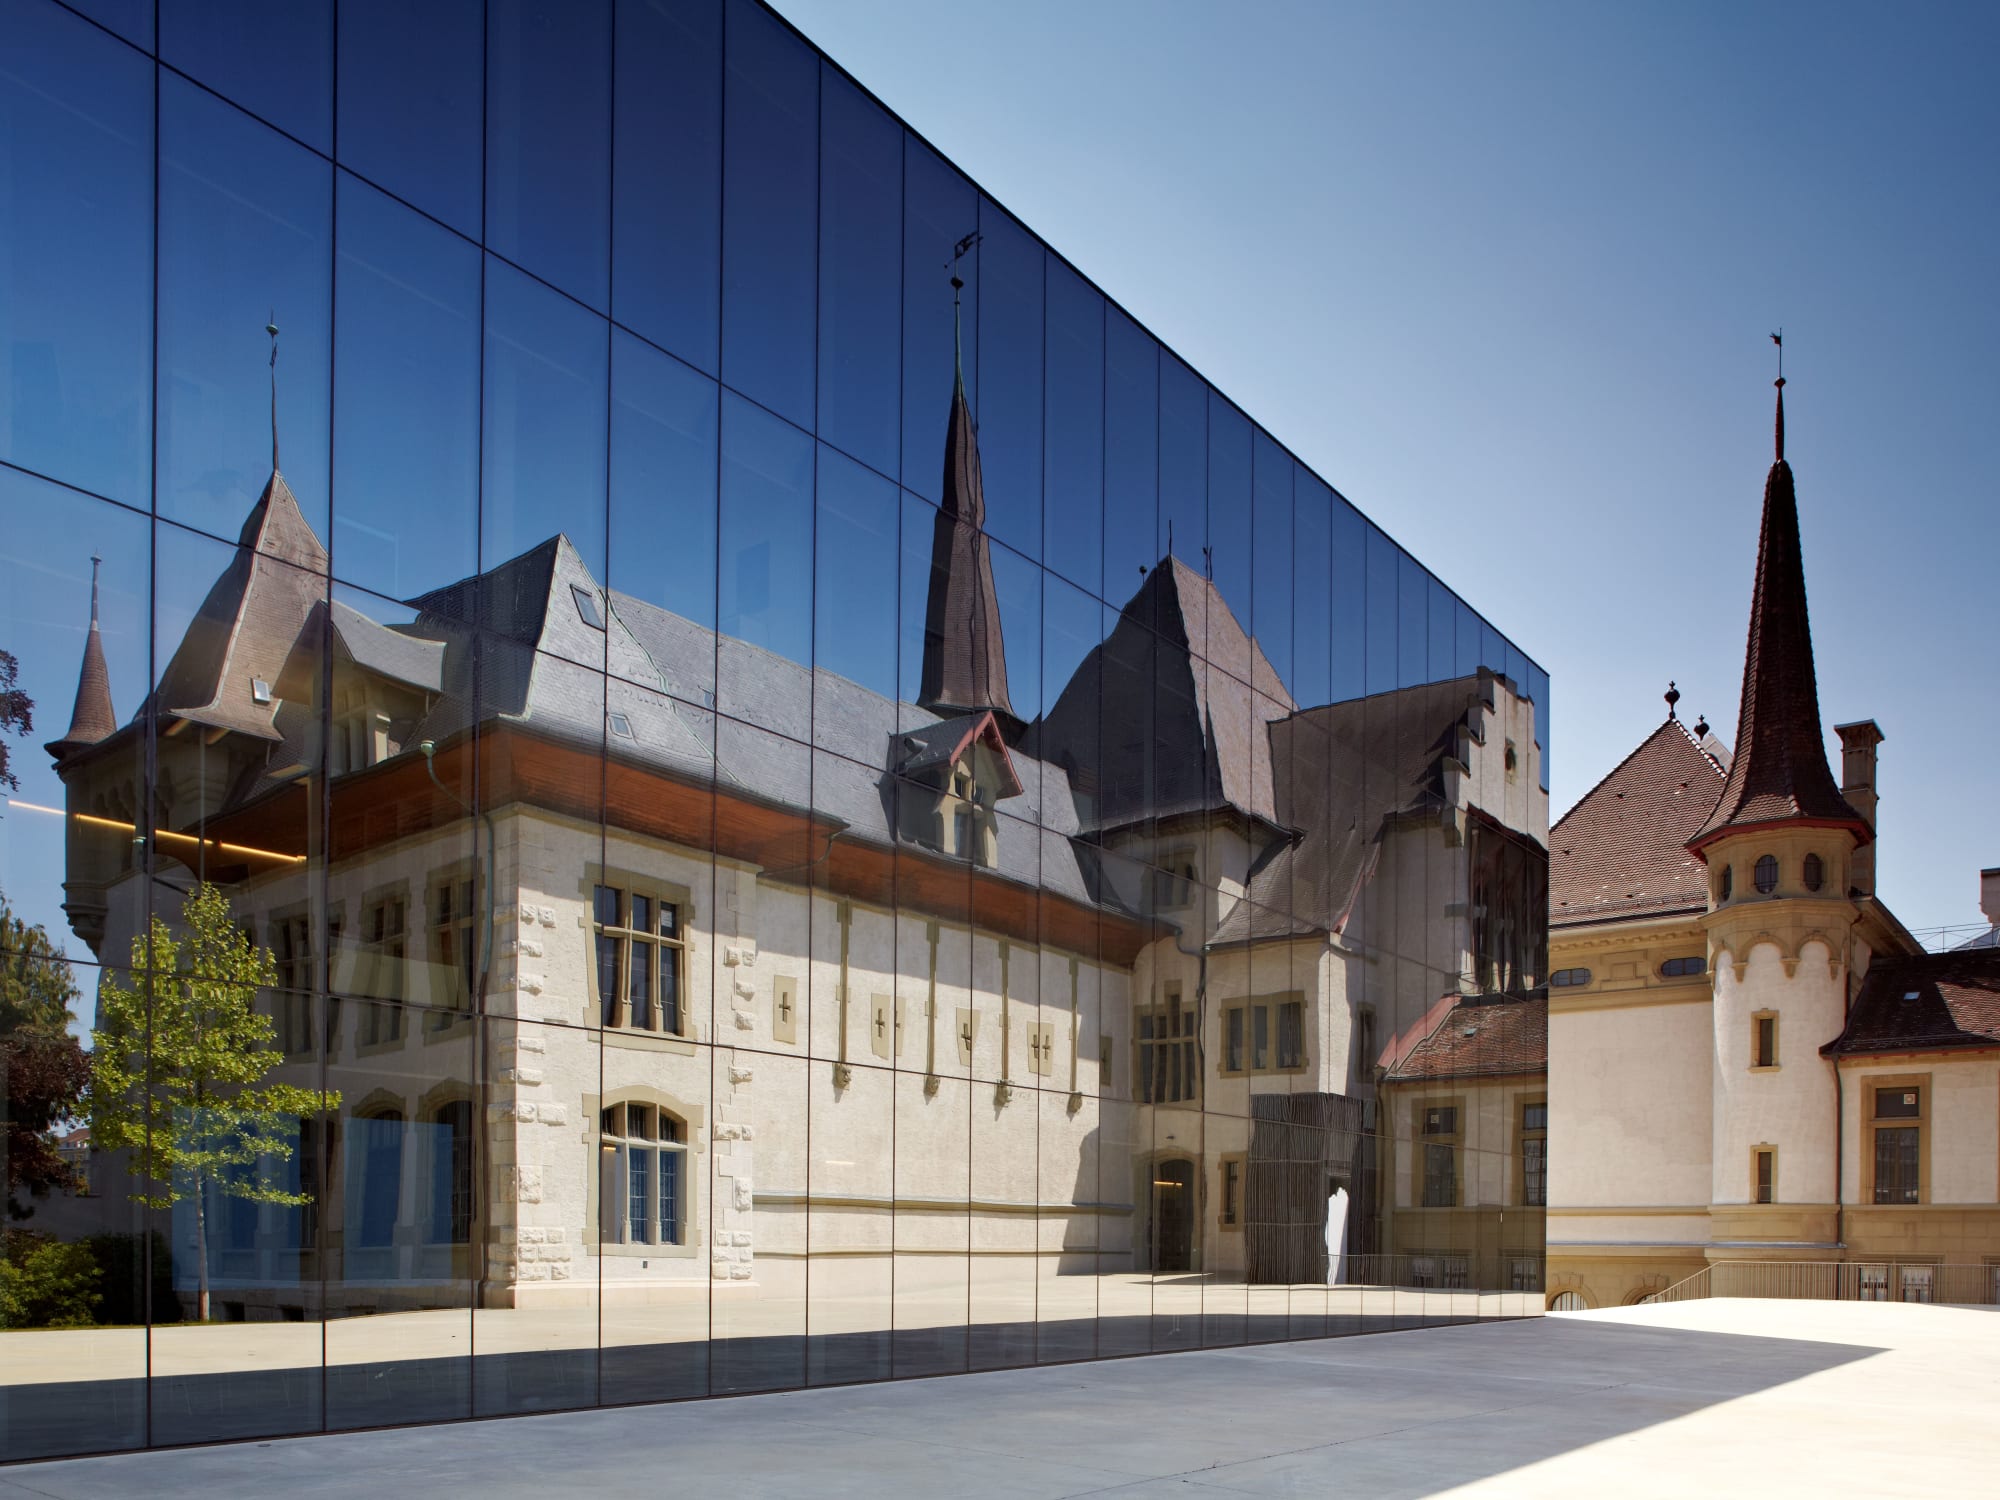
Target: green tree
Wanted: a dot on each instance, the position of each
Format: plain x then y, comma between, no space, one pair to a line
179,1070
45,1283
17,713
43,1066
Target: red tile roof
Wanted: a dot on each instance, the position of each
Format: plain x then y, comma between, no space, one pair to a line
1622,850
1925,1003
1480,1039
1779,774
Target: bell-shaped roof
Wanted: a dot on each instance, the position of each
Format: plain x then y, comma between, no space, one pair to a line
1779,773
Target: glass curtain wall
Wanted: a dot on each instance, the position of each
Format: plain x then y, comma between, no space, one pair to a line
648,753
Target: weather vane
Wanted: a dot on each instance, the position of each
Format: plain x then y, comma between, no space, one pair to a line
272,328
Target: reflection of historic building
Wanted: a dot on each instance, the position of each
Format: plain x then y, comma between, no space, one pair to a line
599,971
1749,1057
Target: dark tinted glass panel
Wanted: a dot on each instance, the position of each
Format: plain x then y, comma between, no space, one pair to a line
274,60
769,212
663,455
245,240
406,398
1010,379
1131,456
1073,456
940,209
548,134
1347,599
1183,462
860,226
766,577
131,19
1382,560
1413,592
410,104
1229,512
1273,557
1312,588
544,449
76,130
854,596
1538,687
1441,632
666,245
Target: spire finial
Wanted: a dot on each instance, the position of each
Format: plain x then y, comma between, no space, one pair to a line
1701,727
272,329
958,252
1673,697
95,562
1778,338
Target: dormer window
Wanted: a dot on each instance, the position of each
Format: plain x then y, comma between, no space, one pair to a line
586,606
260,691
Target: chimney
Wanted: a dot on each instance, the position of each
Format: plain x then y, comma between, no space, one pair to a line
1989,895
1857,785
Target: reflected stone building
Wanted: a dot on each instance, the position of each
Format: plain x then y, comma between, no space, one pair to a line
757,905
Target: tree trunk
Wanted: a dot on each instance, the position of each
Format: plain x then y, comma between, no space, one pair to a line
201,1247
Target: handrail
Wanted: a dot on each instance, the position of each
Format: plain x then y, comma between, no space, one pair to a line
1839,1281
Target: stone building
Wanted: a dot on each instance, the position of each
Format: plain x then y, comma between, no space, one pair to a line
1749,1056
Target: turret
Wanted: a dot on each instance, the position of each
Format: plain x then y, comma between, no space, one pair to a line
92,719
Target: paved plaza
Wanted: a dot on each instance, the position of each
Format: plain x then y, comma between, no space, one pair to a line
1713,1398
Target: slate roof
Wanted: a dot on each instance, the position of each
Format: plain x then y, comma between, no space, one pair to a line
965,653
1779,773
1622,850
1344,772
1924,1003
387,652
1479,1039
92,717
1170,714
701,704
248,624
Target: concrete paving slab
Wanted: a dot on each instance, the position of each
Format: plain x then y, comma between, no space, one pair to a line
1715,1398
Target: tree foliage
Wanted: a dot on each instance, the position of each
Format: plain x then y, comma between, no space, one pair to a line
44,1066
45,1283
180,1069
17,715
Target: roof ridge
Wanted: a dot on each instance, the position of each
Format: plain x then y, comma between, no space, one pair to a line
1633,755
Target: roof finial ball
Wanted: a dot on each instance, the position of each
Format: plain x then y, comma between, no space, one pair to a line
1701,727
1673,697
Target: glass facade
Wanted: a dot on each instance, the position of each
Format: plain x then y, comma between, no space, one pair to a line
691,766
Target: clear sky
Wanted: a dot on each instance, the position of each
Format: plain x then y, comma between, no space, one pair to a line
1505,274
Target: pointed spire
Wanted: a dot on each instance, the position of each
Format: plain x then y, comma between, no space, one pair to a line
272,329
965,658
92,719
1779,773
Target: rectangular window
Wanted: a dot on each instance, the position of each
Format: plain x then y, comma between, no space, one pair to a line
1764,1048
1249,1030
1168,1073
638,947
640,1188
1440,1176
1899,1145
1766,1166
1535,1153
454,955
1231,1216
291,952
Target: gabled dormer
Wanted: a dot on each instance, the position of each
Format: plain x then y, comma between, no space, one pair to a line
951,777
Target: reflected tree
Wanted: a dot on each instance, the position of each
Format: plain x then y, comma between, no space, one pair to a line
44,1066
17,715
180,1071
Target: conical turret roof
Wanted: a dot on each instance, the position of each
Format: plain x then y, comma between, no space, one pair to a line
965,658
1779,773
93,718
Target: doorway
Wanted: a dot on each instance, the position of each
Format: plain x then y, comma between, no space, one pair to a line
1173,1215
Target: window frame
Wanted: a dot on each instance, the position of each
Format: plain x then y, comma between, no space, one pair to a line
1271,1008
1766,864
1424,1139
1872,1123
1565,979
1529,1133
1150,1053
1763,1187
691,1146
1229,1219
662,893
1758,1058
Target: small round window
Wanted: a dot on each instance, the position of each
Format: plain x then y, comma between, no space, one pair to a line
1815,872
1728,881
1766,874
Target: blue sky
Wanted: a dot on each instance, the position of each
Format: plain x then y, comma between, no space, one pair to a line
1504,276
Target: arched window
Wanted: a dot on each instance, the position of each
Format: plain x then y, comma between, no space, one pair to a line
1766,874
1567,1302
375,1179
1728,881
1564,979
642,1165
451,1174
1815,872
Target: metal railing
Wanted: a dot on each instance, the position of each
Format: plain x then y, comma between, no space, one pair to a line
1839,1281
